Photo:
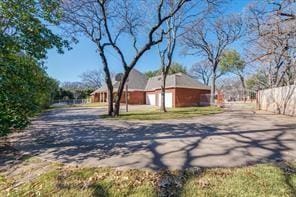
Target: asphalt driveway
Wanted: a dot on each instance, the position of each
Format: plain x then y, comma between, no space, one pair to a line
233,138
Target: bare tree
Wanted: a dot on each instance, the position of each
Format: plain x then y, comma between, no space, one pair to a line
210,39
92,78
166,56
107,22
232,89
73,86
232,62
272,36
176,26
166,53
203,71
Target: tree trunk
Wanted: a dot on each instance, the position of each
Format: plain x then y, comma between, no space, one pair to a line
244,87
110,100
213,88
163,108
108,81
120,91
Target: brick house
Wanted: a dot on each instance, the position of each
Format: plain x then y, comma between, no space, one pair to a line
181,91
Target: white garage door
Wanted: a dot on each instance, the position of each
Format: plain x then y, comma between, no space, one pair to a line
150,99
168,99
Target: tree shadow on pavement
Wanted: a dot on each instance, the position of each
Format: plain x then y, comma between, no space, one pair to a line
78,142
77,136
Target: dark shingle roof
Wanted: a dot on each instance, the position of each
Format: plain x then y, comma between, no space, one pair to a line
136,81
176,80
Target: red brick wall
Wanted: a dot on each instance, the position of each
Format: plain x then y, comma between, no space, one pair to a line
95,97
134,98
186,97
182,97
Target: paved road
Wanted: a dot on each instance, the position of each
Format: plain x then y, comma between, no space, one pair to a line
233,138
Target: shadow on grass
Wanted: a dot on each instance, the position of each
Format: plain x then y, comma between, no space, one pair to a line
289,172
270,179
276,179
79,184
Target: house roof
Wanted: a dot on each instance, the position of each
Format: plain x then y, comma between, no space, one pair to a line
101,89
138,81
179,80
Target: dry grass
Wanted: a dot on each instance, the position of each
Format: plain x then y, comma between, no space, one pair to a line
59,180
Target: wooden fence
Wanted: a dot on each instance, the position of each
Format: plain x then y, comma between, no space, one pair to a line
280,100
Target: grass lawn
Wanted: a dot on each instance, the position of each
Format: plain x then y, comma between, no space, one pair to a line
59,180
175,113
258,180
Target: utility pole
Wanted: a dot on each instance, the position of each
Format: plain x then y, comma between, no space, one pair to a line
126,96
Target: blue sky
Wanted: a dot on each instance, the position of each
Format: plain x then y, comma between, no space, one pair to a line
83,56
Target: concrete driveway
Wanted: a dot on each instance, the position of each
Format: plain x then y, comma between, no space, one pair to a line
233,138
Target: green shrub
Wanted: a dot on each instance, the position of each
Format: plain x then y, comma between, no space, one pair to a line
25,90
